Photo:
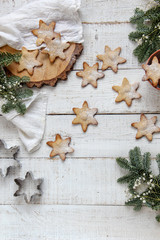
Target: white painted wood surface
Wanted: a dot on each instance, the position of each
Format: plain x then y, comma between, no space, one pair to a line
112,132
69,94
77,222
82,200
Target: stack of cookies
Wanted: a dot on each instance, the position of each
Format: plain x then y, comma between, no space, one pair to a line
49,63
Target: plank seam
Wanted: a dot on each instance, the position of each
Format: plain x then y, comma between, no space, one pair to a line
106,23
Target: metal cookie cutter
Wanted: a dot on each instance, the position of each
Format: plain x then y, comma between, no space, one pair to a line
9,162
29,187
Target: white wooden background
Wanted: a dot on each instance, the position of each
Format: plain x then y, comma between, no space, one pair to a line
82,200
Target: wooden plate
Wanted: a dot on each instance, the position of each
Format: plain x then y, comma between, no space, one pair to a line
49,73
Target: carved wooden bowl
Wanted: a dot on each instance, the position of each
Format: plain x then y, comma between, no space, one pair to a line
149,61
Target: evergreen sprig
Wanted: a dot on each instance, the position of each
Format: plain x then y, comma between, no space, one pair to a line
7,58
147,33
143,185
11,86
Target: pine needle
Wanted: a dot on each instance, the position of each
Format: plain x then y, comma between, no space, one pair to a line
11,86
140,176
147,34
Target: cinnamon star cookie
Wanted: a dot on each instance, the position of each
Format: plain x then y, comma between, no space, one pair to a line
127,92
28,61
146,127
111,59
152,71
44,31
85,116
55,48
60,147
90,75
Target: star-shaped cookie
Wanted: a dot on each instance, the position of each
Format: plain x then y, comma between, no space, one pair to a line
152,71
90,75
55,48
111,58
28,61
44,31
127,92
146,127
85,116
60,147
28,187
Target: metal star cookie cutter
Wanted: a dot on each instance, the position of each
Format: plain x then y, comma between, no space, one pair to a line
29,187
9,162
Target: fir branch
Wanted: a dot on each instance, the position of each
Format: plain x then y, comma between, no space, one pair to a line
24,93
125,179
11,86
138,16
147,33
156,207
138,206
136,203
123,163
158,218
140,175
7,58
135,157
20,107
158,161
146,161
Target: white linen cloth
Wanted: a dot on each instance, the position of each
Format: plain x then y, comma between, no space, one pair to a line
31,125
15,28
15,31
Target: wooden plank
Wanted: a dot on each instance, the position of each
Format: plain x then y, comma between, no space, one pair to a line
113,137
77,222
67,95
83,180
68,182
96,36
92,10
109,10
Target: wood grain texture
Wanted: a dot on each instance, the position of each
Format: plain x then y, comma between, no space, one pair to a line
82,200
66,95
76,223
113,137
96,36
77,181
68,182
109,11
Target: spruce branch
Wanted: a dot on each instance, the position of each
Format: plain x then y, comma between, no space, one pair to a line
146,161
135,157
7,58
158,161
123,163
11,86
158,218
125,179
143,187
136,203
147,33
